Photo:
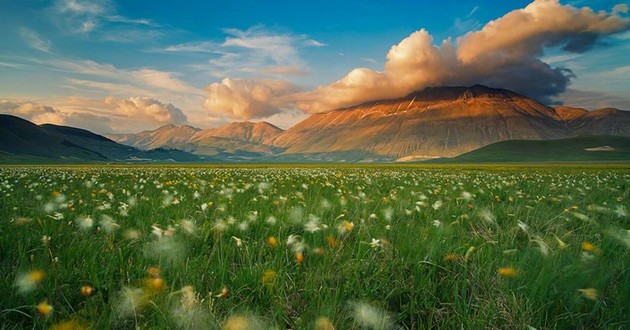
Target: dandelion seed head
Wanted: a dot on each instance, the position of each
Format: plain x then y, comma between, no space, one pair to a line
28,282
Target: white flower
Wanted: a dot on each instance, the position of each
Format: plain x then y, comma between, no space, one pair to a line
85,223
375,243
108,224
370,317
437,205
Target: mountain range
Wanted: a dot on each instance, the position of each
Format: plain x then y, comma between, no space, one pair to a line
24,142
433,123
437,122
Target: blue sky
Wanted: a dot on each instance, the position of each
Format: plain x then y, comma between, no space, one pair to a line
120,66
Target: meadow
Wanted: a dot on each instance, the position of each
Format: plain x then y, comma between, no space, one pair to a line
315,247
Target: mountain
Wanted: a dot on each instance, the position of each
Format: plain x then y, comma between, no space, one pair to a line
239,139
434,122
580,149
165,136
607,121
23,141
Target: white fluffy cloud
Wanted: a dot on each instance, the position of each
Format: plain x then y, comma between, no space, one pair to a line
31,111
504,53
249,98
109,115
147,109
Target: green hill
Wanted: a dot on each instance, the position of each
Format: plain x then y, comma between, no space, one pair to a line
579,149
24,142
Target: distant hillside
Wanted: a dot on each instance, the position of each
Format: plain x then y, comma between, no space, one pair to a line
235,140
24,142
579,149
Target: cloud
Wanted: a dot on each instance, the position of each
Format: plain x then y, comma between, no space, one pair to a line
35,41
107,115
121,81
505,53
254,50
284,71
31,111
592,100
90,16
246,99
148,109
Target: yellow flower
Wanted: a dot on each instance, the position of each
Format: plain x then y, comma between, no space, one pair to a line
155,284
589,247
86,290
451,257
272,241
43,308
36,276
236,323
70,325
269,277
323,323
589,293
507,272
332,242
299,257
153,272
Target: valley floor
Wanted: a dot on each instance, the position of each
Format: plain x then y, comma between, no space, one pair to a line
315,246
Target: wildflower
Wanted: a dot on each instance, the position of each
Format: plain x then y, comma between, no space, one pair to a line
187,226
130,300
85,222
238,241
589,293
131,234
324,323
487,216
108,224
376,243
437,205
153,272
223,293
466,196
345,227
371,317
313,224
29,281
86,290
299,257
507,272
271,220
236,323
469,253
45,240
272,241
155,284
44,308
589,247
70,325
561,244
451,257
332,242
437,223
269,277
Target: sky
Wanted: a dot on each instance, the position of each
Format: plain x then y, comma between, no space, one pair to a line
120,66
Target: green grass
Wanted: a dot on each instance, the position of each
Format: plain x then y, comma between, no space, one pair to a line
563,150
410,247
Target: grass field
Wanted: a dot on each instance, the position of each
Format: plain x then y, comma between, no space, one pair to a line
315,247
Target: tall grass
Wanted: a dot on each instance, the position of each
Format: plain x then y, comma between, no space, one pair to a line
312,248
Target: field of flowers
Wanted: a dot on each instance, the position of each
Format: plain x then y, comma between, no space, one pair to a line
314,248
